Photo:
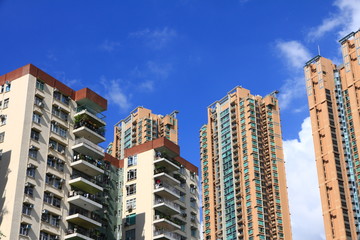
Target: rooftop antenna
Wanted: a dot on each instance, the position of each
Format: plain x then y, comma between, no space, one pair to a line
319,50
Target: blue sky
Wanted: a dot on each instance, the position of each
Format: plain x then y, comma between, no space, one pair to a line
183,55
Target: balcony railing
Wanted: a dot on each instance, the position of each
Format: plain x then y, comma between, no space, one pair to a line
167,202
167,186
93,127
89,159
81,211
86,195
168,234
89,143
91,179
92,111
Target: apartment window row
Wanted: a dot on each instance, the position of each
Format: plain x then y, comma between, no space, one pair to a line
51,199
59,130
3,118
131,189
50,218
131,204
131,174
6,103
35,135
39,101
5,87
31,170
37,118
54,181
48,236
24,229
61,97
29,189
57,146
60,113
27,208
56,163
132,160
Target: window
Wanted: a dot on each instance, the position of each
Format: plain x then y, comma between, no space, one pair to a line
131,174
49,198
50,218
130,234
132,160
56,111
61,97
130,189
37,118
30,171
33,153
6,103
193,232
54,181
29,189
24,229
3,119
58,129
39,85
27,208
2,136
131,203
34,135
7,87
130,219
56,163
39,102
57,146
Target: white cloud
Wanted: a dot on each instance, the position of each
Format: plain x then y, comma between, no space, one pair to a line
147,86
292,89
114,93
156,39
295,53
109,46
159,70
302,182
344,21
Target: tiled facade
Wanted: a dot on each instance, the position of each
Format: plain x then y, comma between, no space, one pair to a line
334,101
243,173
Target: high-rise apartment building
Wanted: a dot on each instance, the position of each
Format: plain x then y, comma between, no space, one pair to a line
334,101
142,126
243,172
160,188
160,194
55,180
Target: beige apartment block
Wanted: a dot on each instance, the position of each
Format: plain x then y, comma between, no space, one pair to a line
142,126
53,177
334,102
160,194
243,173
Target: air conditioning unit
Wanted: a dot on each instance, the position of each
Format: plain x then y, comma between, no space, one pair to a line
129,208
44,211
27,184
62,180
40,104
62,151
157,217
32,147
57,237
59,217
51,194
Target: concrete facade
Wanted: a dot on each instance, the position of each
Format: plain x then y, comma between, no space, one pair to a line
53,175
243,173
334,101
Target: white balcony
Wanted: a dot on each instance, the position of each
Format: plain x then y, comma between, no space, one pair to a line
88,133
164,177
85,184
84,202
163,234
76,236
166,190
167,164
89,148
166,206
86,167
163,223
82,221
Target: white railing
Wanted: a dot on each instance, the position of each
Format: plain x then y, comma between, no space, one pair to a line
165,185
89,143
171,235
167,202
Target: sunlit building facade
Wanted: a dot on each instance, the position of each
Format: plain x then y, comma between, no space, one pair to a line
334,101
142,126
56,182
243,173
